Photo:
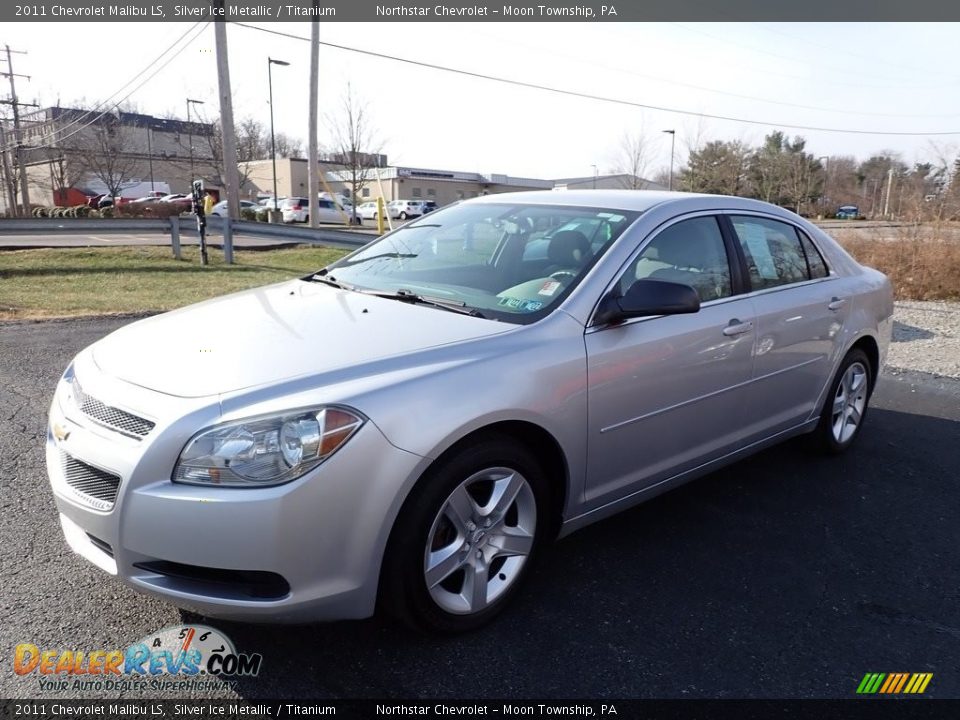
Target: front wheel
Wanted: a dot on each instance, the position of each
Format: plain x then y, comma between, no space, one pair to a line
403,216
846,405
466,538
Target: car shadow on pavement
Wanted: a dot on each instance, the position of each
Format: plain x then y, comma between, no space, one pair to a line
907,333
762,579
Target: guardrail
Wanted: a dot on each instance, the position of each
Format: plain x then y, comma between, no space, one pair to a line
176,226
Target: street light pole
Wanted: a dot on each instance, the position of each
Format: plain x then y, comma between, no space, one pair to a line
673,140
273,142
826,180
150,155
190,132
594,176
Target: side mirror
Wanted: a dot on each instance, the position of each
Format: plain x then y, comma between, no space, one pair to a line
647,298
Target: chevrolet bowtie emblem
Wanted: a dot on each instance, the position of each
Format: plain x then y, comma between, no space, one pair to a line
60,433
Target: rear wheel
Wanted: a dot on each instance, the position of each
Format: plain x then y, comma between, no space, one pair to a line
846,405
403,216
466,538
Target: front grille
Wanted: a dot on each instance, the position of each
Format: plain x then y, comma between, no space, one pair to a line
97,486
113,418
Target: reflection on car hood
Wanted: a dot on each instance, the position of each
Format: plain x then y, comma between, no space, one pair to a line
263,336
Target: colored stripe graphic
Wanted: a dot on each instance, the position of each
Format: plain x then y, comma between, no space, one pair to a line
894,683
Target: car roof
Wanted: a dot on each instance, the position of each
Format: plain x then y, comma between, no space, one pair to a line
635,200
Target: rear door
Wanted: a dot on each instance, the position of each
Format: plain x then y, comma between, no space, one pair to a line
800,308
664,391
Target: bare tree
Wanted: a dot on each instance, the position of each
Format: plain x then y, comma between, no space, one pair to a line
354,144
632,160
67,168
109,152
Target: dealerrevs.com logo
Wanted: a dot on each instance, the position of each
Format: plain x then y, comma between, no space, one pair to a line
185,652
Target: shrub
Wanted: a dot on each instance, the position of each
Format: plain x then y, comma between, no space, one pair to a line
81,211
107,212
923,268
248,214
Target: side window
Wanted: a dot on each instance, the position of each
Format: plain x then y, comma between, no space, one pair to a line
690,252
818,268
772,250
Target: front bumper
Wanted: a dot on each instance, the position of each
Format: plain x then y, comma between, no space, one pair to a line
323,534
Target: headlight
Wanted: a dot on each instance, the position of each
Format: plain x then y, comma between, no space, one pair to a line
265,451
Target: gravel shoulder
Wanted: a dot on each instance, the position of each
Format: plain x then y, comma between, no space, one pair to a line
926,338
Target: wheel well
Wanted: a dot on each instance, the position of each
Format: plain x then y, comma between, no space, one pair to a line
872,350
543,445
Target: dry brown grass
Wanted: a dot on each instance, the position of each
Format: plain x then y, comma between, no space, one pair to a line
920,268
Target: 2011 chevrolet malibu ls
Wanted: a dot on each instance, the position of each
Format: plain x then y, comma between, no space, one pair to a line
409,425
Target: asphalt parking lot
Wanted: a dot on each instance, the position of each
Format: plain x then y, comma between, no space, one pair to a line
786,575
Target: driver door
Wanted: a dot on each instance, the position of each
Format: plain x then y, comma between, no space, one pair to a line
662,390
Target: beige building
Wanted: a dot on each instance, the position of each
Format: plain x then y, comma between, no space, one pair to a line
411,183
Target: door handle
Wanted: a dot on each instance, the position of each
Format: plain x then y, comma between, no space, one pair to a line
737,328
836,303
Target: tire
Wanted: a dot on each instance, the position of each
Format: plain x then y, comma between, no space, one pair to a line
845,408
456,555
403,216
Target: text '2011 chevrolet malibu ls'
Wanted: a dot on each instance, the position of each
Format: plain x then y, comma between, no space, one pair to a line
410,425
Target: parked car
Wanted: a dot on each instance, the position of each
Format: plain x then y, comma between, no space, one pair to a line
367,211
415,422
94,201
105,201
404,209
221,209
183,201
848,212
429,206
295,209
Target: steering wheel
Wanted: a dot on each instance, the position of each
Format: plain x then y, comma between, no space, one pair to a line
560,274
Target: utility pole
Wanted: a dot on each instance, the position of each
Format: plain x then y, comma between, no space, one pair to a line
886,202
313,185
18,138
673,143
8,178
231,175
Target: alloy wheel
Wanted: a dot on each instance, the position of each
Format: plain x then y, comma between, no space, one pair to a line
849,403
480,540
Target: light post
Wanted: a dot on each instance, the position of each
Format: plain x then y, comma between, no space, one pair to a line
150,155
273,143
190,132
673,139
826,179
594,176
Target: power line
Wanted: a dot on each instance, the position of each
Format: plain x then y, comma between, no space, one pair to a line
599,98
143,81
702,88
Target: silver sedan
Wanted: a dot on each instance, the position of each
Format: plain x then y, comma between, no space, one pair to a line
409,427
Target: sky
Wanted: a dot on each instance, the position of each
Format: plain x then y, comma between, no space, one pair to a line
893,77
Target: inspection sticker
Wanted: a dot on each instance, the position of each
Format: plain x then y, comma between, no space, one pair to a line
549,288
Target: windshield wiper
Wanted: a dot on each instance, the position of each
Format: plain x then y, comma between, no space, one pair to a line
323,277
402,256
409,296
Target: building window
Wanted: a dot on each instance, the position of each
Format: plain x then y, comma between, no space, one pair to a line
431,192
417,192
365,192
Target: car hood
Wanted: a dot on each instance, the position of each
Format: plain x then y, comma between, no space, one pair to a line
275,333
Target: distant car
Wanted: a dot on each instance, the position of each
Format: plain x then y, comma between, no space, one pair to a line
296,209
848,212
183,201
430,206
105,201
149,199
404,209
221,209
367,211
94,201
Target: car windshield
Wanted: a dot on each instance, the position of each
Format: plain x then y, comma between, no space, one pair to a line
507,262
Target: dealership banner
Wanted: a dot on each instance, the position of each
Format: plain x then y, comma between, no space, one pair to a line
537,11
